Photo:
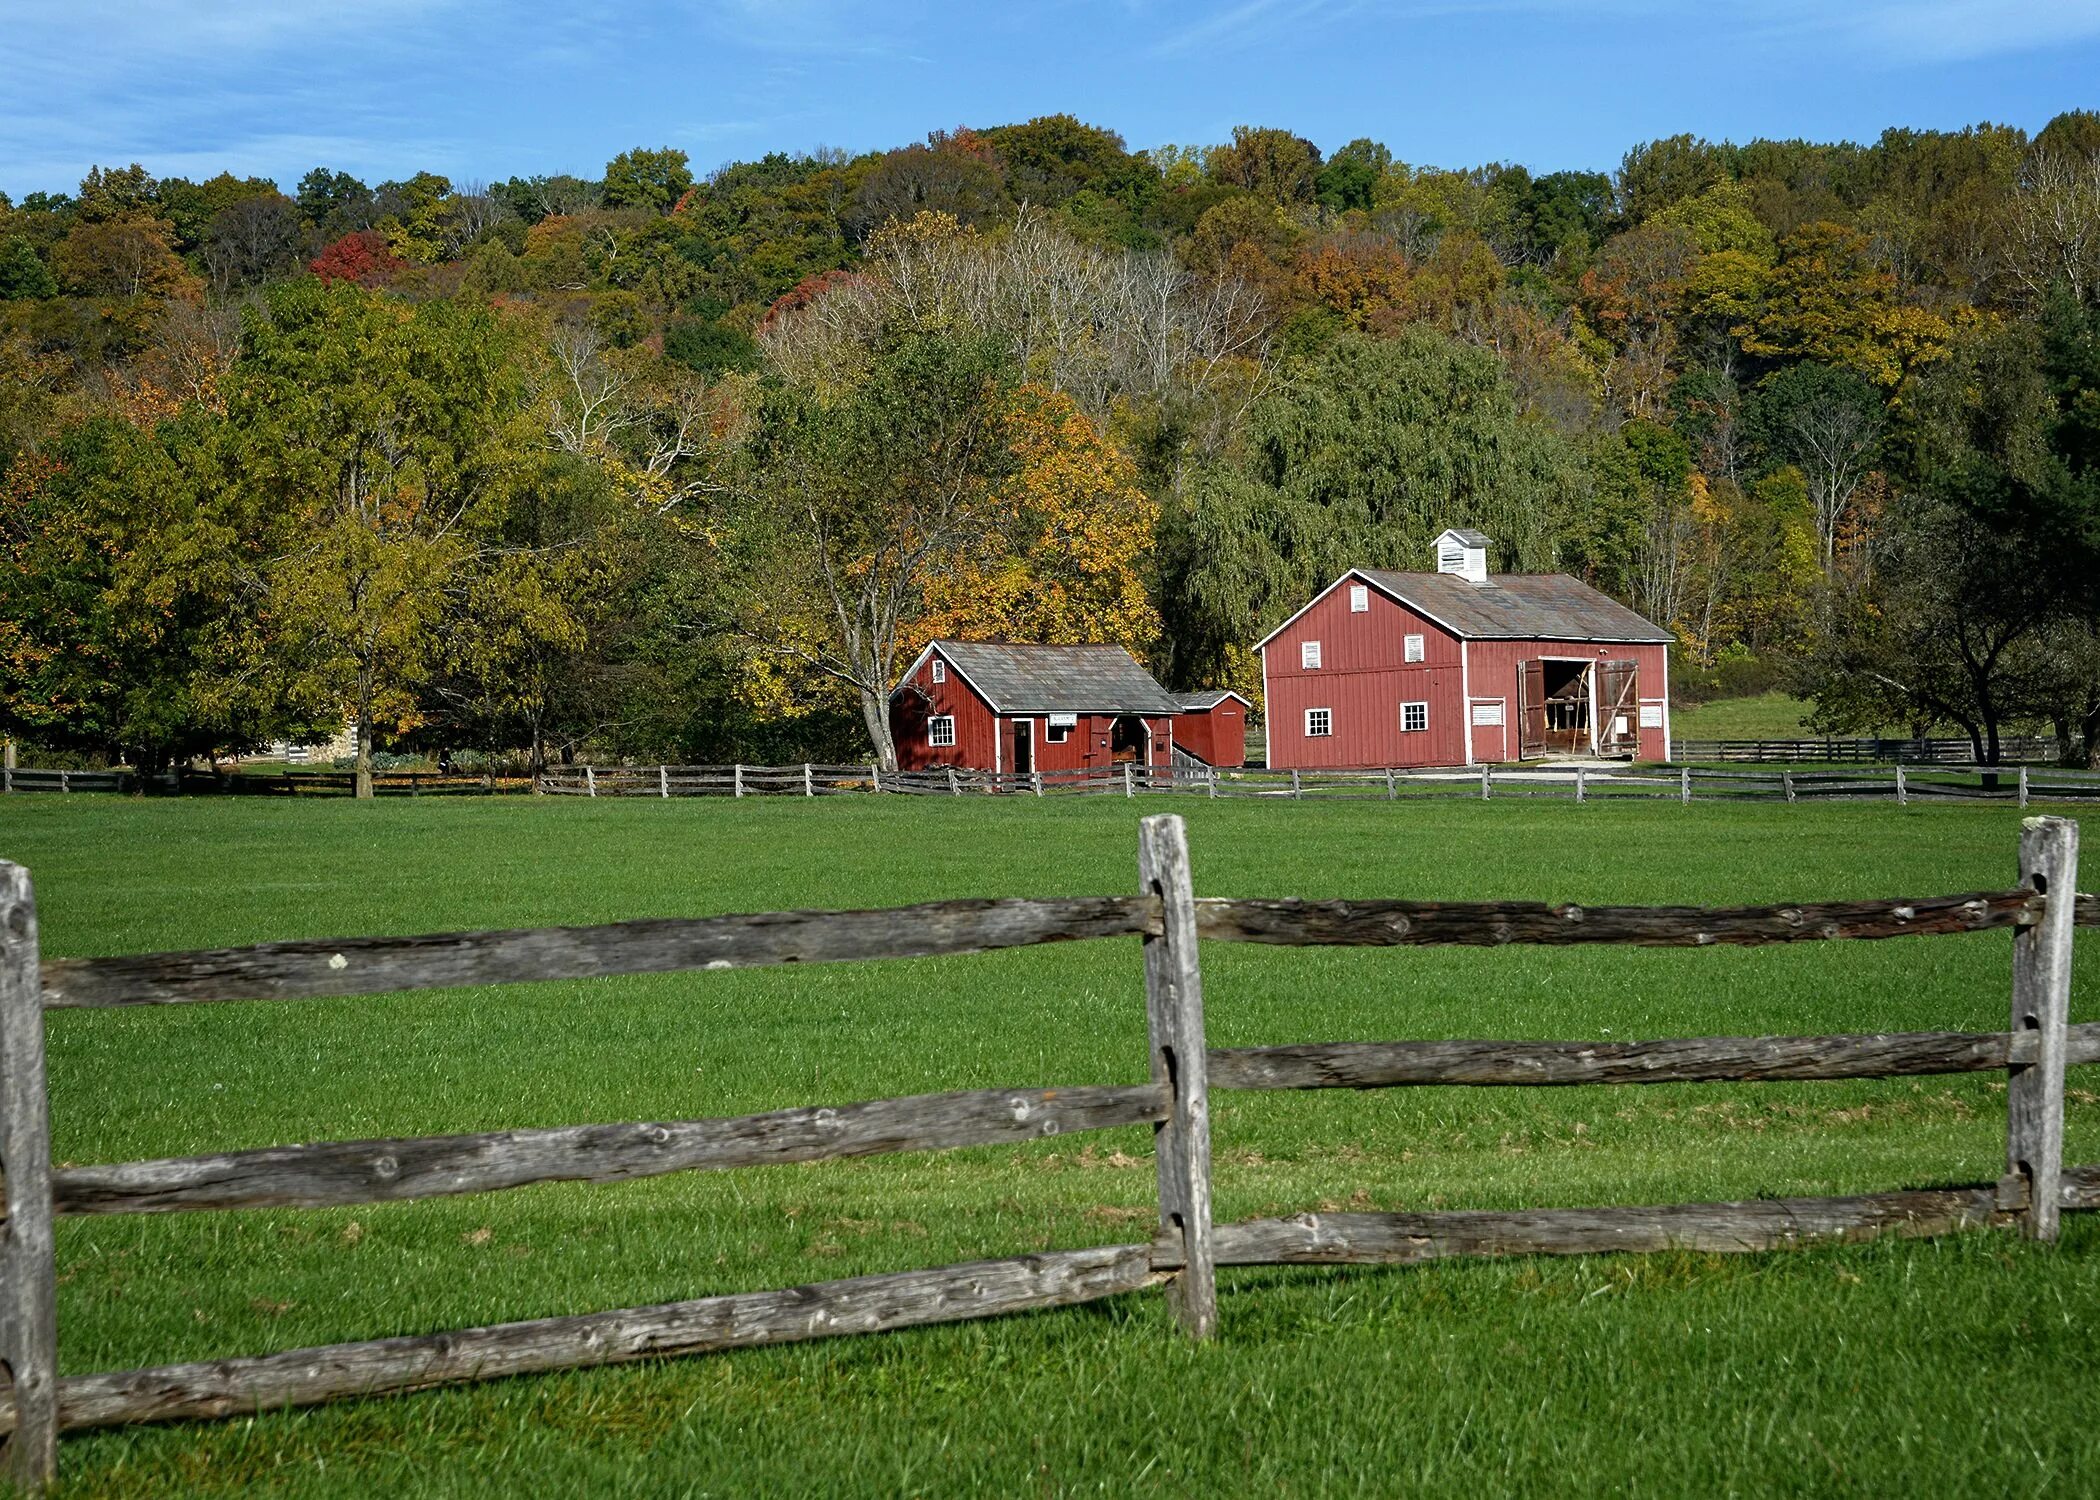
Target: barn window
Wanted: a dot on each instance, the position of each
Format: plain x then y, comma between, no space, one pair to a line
941,730
1319,723
1359,599
1309,654
1414,717
1057,733
940,670
1412,647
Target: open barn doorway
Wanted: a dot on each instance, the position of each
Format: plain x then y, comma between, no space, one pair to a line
1130,739
1557,713
1574,707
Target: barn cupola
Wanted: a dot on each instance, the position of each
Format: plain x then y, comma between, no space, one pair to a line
1464,553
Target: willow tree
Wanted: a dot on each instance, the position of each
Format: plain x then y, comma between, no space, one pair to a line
384,439
1356,459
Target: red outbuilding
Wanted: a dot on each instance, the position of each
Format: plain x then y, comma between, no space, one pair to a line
1212,727
1457,668
993,707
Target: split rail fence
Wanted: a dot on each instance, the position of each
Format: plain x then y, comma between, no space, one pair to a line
37,1404
1899,784
2012,749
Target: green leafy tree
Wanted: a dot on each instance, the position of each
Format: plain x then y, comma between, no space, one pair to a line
1357,460
389,438
642,178
860,498
126,628
23,274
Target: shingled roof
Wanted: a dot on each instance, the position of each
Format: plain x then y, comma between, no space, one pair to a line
1057,679
1517,606
1506,607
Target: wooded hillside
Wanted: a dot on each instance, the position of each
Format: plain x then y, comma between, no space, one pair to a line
687,468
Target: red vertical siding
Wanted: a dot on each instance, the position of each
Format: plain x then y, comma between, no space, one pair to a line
976,729
1494,667
1217,736
1363,678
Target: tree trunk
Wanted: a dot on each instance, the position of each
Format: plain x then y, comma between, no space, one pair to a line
875,713
364,735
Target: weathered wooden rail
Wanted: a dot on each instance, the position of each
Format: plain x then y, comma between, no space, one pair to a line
36,1404
1902,784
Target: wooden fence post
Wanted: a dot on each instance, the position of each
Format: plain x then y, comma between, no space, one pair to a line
1786,780
955,790
7,766
65,781
1126,778
1902,792
663,781
28,1292
874,776
736,781
1581,786
1684,778
2023,786
1297,789
1213,782
1174,1018
2041,1003
1487,782
809,787
590,781
1392,789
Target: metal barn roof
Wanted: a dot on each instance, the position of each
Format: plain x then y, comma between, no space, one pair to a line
1208,698
1518,606
1058,679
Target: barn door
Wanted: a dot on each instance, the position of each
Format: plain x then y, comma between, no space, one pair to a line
1618,713
1531,710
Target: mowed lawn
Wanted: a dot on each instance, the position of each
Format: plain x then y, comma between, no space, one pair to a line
1958,1364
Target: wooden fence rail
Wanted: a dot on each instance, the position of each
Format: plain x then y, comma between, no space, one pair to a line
1946,778
1951,781
2035,1188
2013,749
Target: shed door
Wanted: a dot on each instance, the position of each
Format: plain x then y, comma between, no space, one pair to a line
1531,710
1618,711
1024,746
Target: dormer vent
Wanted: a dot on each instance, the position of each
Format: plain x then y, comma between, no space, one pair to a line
1464,553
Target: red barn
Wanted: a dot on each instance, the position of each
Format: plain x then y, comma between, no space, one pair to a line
1456,667
987,707
1212,727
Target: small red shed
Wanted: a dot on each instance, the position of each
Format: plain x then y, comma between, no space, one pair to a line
1212,727
995,707
1457,668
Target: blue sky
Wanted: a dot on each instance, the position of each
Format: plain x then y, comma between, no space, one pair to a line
480,89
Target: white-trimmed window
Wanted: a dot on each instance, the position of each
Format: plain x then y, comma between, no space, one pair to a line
1411,647
940,730
1309,655
1414,717
1319,723
1359,599
1057,734
940,670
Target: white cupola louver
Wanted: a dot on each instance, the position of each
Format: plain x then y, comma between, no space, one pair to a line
1464,553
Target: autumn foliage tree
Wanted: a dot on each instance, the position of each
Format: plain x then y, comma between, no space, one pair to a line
362,258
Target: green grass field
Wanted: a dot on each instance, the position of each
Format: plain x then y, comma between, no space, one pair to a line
1968,1363
1766,716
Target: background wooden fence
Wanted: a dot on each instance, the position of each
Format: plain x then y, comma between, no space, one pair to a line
1165,915
2014,749
1900,784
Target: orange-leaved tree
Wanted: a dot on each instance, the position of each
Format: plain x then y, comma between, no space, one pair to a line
1066,563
